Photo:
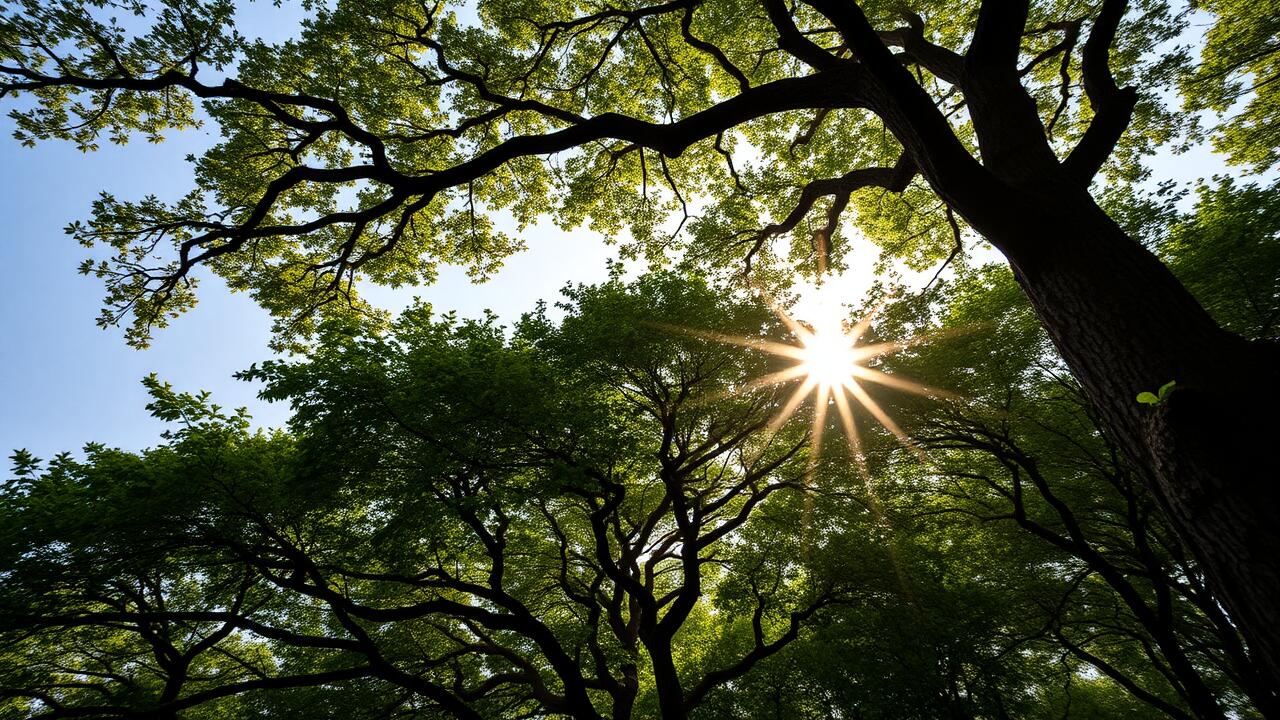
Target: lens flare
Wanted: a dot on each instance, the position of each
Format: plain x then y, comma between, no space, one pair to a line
828,357
832,367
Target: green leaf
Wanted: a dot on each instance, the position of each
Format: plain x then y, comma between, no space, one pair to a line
1147,398
1165,389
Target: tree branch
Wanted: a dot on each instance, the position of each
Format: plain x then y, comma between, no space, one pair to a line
1112,105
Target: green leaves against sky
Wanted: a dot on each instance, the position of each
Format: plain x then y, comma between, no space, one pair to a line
591,512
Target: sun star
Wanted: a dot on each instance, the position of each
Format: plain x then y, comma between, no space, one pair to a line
828,357
831,366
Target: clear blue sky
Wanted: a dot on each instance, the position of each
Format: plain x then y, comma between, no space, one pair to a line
64,381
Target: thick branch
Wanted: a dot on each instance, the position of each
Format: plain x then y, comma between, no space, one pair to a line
911,115
793,41
1112,105
997,37
944,63
894,179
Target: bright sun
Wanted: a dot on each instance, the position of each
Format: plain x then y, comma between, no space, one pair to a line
831,366
828,356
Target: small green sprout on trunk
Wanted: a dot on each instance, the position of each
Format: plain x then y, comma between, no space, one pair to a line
1157,397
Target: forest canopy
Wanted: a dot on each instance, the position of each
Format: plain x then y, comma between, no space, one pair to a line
1025,489
583,518
392,137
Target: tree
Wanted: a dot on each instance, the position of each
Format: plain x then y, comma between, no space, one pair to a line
472,523
1227,254
1241,61
378,143
1027,450
464,524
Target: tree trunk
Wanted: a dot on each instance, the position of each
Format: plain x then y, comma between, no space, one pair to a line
1124,324
666,678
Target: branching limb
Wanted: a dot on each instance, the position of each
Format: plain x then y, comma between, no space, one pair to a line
1112,105
762,648
944,63
893,179
795,42
686,23
997,38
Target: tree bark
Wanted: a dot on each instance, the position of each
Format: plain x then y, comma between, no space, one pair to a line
666,679
1124,324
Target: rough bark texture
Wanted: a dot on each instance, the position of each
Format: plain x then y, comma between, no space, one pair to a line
1124,324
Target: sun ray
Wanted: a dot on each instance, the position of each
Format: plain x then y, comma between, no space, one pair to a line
830,363
799,330
899,383
793,403
769,346
883,417
896,346
773,378
855,442
820,401
863,352
860,327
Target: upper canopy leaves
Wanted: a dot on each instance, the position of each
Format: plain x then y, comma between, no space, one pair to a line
389,135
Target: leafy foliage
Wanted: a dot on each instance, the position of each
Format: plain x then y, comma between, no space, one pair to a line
584,519
391,137
598,516
1240,63
1226,252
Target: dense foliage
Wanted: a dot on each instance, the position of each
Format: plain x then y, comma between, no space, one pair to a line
592,517
600,515
389,136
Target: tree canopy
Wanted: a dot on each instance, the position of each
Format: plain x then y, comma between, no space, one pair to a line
383,140
593,517
608,514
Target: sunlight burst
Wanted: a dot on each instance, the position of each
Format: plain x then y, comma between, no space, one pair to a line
832,368
828,357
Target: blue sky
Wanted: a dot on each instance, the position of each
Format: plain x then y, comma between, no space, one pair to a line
64,381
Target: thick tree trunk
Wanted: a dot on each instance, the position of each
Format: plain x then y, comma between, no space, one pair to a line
1124,324
666,678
